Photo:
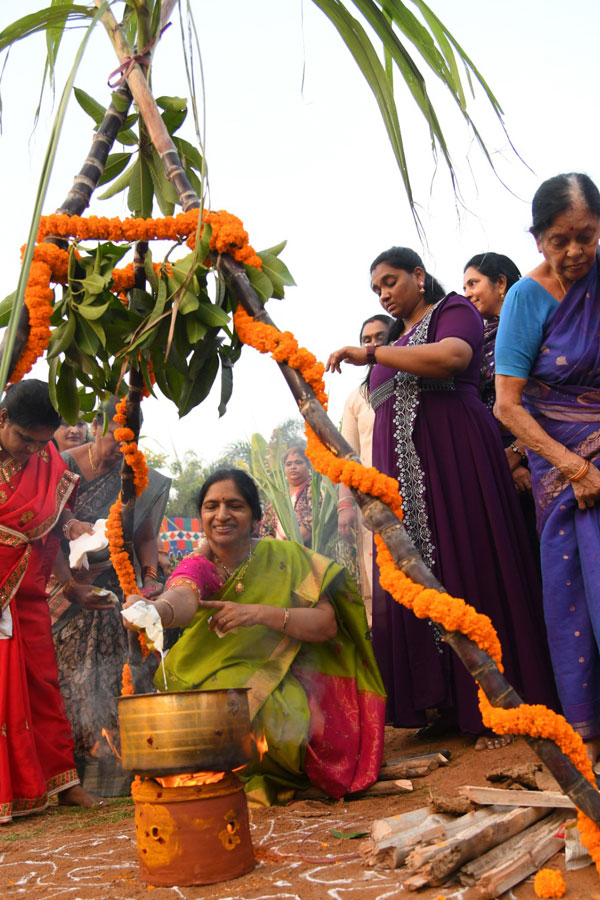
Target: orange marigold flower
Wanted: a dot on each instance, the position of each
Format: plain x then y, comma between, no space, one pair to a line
126,681
549,883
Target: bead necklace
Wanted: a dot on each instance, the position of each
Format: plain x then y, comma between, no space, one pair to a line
239,587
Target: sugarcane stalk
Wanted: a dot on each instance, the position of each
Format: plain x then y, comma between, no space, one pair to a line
150,113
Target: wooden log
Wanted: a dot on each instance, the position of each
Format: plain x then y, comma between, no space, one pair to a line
382,828
510,863
432,865
391,849
548,799
379,789
442,757
414,769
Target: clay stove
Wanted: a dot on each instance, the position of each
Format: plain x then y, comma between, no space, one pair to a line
190,828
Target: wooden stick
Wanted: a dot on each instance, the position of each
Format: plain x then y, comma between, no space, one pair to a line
511,862
408,770
485,795
379,789
432,865
437,757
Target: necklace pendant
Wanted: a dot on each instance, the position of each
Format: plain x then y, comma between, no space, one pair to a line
239,588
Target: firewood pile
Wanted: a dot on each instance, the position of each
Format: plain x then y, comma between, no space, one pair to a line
486,839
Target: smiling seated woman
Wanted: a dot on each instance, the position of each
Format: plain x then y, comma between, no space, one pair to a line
289,625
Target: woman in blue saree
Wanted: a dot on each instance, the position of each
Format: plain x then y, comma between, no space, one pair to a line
548,395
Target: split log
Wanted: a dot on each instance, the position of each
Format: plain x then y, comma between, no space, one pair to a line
382,828
391,850
408,769
547,799
432,865
440,756
379,789
511,862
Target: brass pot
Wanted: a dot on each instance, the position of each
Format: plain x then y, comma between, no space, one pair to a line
185,731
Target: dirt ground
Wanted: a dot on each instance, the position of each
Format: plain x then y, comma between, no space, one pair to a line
75,854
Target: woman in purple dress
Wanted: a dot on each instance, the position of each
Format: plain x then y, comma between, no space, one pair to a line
548,394
433,434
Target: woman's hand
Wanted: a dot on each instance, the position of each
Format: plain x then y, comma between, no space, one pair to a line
587,491
356,356
228,615
151,588
88,599
348,524
77,528
522,479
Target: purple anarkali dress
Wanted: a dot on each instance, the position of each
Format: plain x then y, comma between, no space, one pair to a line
461,510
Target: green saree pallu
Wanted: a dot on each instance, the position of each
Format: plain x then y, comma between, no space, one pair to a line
320,706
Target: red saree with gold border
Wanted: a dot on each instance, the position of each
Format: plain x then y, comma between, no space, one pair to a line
36,746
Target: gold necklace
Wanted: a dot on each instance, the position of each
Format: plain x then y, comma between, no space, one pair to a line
421,317
239,587
562,287
92,463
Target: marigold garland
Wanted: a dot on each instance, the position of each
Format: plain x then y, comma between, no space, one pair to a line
454,614
549,883
126,681
49,263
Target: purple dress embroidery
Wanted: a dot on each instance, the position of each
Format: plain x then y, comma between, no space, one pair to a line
461,510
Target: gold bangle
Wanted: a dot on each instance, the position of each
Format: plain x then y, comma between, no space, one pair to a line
172,608
581,472
286,615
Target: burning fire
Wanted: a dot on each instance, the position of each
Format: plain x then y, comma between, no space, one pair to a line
261,744
99,750
171,781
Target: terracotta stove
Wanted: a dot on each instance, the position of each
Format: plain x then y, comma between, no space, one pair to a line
191,826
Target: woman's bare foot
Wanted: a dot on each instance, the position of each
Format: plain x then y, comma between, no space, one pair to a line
592,749
493,741
77,796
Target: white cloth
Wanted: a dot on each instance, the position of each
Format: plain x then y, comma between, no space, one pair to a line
86,543
145,616
6,624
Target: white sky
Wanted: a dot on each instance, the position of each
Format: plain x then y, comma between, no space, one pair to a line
312,164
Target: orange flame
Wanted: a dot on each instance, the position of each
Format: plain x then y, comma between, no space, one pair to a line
171,781
261,744
106,735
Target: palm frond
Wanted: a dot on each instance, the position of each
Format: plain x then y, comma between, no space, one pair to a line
54,17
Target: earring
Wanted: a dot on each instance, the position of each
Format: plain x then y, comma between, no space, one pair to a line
421,288
502,296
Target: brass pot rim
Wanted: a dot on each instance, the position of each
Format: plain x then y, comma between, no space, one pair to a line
240,690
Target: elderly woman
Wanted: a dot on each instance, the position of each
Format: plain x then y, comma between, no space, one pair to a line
548,395
91,644
433,434
289,625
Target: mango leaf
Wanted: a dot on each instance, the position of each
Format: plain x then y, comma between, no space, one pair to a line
260,282
5,309
174,103
87,402
61,337
92,312
212,315
151,276
119,184
166,194
67,394
90,106
195,390
226,386
195,329
140,194
174,119
277,272
190,154
98,331
53,366
86,338
115,164
93,284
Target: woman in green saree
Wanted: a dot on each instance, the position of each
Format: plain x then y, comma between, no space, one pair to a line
289,625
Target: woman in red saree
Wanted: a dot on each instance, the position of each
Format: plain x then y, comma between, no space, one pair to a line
36,490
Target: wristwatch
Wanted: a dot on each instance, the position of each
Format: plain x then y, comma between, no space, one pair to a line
371,360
